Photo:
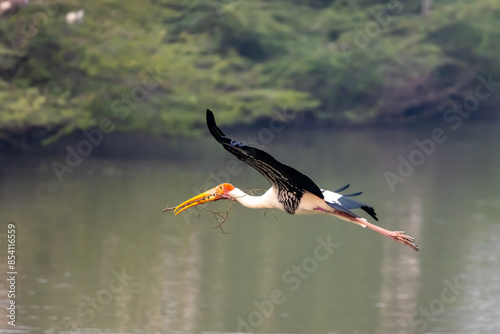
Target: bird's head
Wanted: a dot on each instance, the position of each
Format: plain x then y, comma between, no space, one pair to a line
222,191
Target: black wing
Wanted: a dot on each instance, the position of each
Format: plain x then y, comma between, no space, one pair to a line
290,183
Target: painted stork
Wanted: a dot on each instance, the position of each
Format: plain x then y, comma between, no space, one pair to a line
291,191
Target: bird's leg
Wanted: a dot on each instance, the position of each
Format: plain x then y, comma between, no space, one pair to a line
396,235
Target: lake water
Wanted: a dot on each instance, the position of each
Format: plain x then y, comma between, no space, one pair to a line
95,253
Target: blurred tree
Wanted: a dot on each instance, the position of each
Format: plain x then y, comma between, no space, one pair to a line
426,7
152,66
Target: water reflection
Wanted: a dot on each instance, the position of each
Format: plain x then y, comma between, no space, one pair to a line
400,277
105,218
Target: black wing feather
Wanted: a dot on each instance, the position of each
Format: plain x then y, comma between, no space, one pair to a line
340,207
346,204
349,203
342,188
355,194
289,182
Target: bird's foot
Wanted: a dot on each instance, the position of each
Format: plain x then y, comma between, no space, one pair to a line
404,239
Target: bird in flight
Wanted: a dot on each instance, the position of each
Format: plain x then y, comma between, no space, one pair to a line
291,191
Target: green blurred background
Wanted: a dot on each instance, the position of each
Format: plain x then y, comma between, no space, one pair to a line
152,66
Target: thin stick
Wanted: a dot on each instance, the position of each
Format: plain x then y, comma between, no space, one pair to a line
222,216
168,209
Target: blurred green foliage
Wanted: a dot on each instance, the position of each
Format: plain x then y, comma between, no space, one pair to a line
156,65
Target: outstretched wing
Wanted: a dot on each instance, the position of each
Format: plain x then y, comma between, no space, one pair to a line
290,183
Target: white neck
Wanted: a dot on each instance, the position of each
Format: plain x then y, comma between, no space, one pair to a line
267,201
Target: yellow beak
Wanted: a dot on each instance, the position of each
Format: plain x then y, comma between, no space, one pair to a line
207,196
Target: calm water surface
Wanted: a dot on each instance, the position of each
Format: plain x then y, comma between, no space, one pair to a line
96,254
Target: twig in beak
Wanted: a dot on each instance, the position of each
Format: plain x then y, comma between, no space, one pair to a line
222,216
168,209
